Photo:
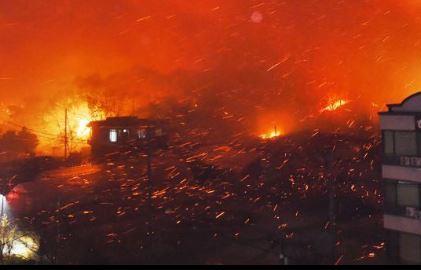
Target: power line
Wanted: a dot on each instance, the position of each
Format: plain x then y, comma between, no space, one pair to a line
39,133
50,136
44,134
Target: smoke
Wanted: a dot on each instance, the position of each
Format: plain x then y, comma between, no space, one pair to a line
252,62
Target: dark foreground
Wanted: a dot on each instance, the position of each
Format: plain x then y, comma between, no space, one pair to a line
245,202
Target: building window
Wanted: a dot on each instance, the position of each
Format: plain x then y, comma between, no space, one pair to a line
392,246
390,194
141,134
408,194
405,143
113,135
388,142
410,248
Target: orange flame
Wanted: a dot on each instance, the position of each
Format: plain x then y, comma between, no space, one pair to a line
334,105
79,115
275,132
82,130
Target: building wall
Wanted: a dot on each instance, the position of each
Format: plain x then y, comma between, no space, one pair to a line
397,122
401,173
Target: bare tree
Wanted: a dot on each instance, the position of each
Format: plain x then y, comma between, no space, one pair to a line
15,245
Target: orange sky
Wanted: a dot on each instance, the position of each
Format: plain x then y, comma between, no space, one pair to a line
258,55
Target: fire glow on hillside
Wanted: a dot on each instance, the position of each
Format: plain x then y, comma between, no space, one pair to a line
335,105
79,114
275,132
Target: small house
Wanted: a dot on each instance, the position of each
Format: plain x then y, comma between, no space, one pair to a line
115,133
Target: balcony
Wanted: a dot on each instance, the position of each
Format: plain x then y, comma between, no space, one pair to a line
402,223
399,172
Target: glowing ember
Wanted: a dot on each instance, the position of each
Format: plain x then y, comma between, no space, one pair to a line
275,132
334,105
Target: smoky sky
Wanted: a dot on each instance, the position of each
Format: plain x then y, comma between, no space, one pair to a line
247,57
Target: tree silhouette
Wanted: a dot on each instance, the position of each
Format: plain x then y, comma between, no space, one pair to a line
16,143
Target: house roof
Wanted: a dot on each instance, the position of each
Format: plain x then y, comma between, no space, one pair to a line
411,104
125,121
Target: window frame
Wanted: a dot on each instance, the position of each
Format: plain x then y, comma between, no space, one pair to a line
416,142
418,186
393,132
384,142
390,207
394,204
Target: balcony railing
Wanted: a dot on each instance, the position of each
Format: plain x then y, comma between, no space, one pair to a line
404,161
404,211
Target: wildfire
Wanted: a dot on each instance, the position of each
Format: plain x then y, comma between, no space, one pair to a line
83,130
334,105
79,114
275,132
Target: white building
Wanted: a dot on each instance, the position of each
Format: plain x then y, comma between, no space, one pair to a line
401,172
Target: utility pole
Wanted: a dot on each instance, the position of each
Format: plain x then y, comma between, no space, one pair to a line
148,151
328,156
149,165
58,220
332,215
66,138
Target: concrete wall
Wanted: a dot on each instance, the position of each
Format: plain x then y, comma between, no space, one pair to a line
403,224
397,122
401,173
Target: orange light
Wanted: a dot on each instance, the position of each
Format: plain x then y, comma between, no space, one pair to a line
275,132
83,130
79,116
334,105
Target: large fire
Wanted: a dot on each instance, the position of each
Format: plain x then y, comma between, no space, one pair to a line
83,130
275,132
79,114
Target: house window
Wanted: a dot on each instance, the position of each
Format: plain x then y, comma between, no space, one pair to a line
113,135
388,142
410,248
419,142
405,143
390,194
408,194
141,134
